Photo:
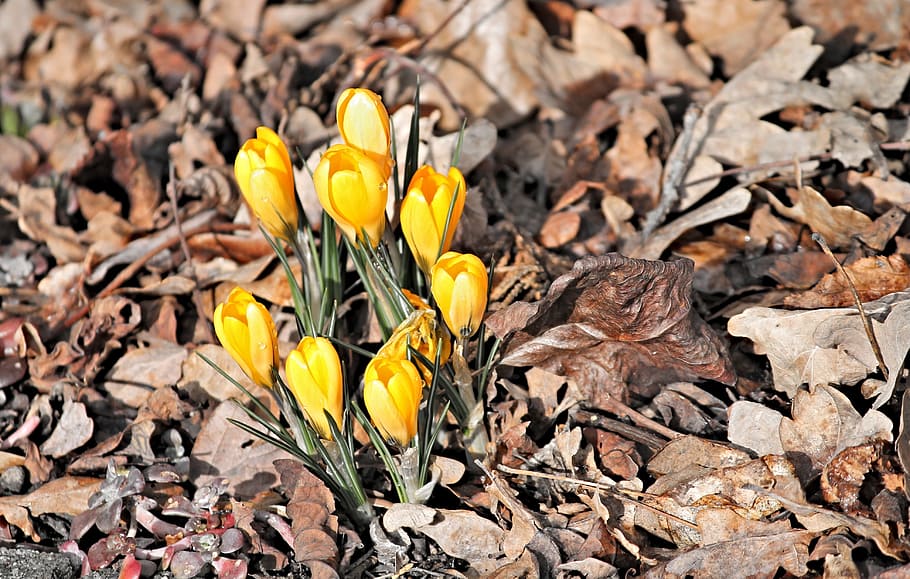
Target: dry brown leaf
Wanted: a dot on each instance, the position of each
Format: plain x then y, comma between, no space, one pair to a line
15,25
66,495
669,61
614,322
18,157
873,277
238,17
462,534
820,347
132,173
73,430
559,228
91,341
694,451
823,424
529,69
223,450
311,507
878,25
140,372
730,203
842,478
721,525
727,488
37,207
750,557
735,31
837,225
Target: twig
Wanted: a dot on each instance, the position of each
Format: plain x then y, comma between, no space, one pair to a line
134,267
867,323
677,165
630,431
619,493
610,404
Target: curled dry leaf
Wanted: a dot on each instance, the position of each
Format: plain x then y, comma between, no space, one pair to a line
842,478
820,347
91,342
614,322
310,507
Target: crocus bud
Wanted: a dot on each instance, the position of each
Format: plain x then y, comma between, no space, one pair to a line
459,286
424,211
364,124
351,189
246,330
314,376
266,179
391,392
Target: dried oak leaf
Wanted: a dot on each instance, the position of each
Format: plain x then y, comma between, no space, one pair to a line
819,347
873,276
759,556
823,424
614,322
314,527
837,224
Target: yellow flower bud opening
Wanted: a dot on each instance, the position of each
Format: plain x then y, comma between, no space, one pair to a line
363,122
265,175
459,286
246,330
424,211
351,189
422,332
392,391
314,376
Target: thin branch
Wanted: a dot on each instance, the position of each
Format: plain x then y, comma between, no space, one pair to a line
677,166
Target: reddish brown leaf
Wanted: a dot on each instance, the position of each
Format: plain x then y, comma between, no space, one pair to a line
614,322
873,277
843,477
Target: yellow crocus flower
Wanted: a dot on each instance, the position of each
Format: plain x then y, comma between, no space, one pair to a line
246,330
459,286
314,376
424,211
352,189
363,122
391,392
266,179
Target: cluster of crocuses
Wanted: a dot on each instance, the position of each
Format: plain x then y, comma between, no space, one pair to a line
352,184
